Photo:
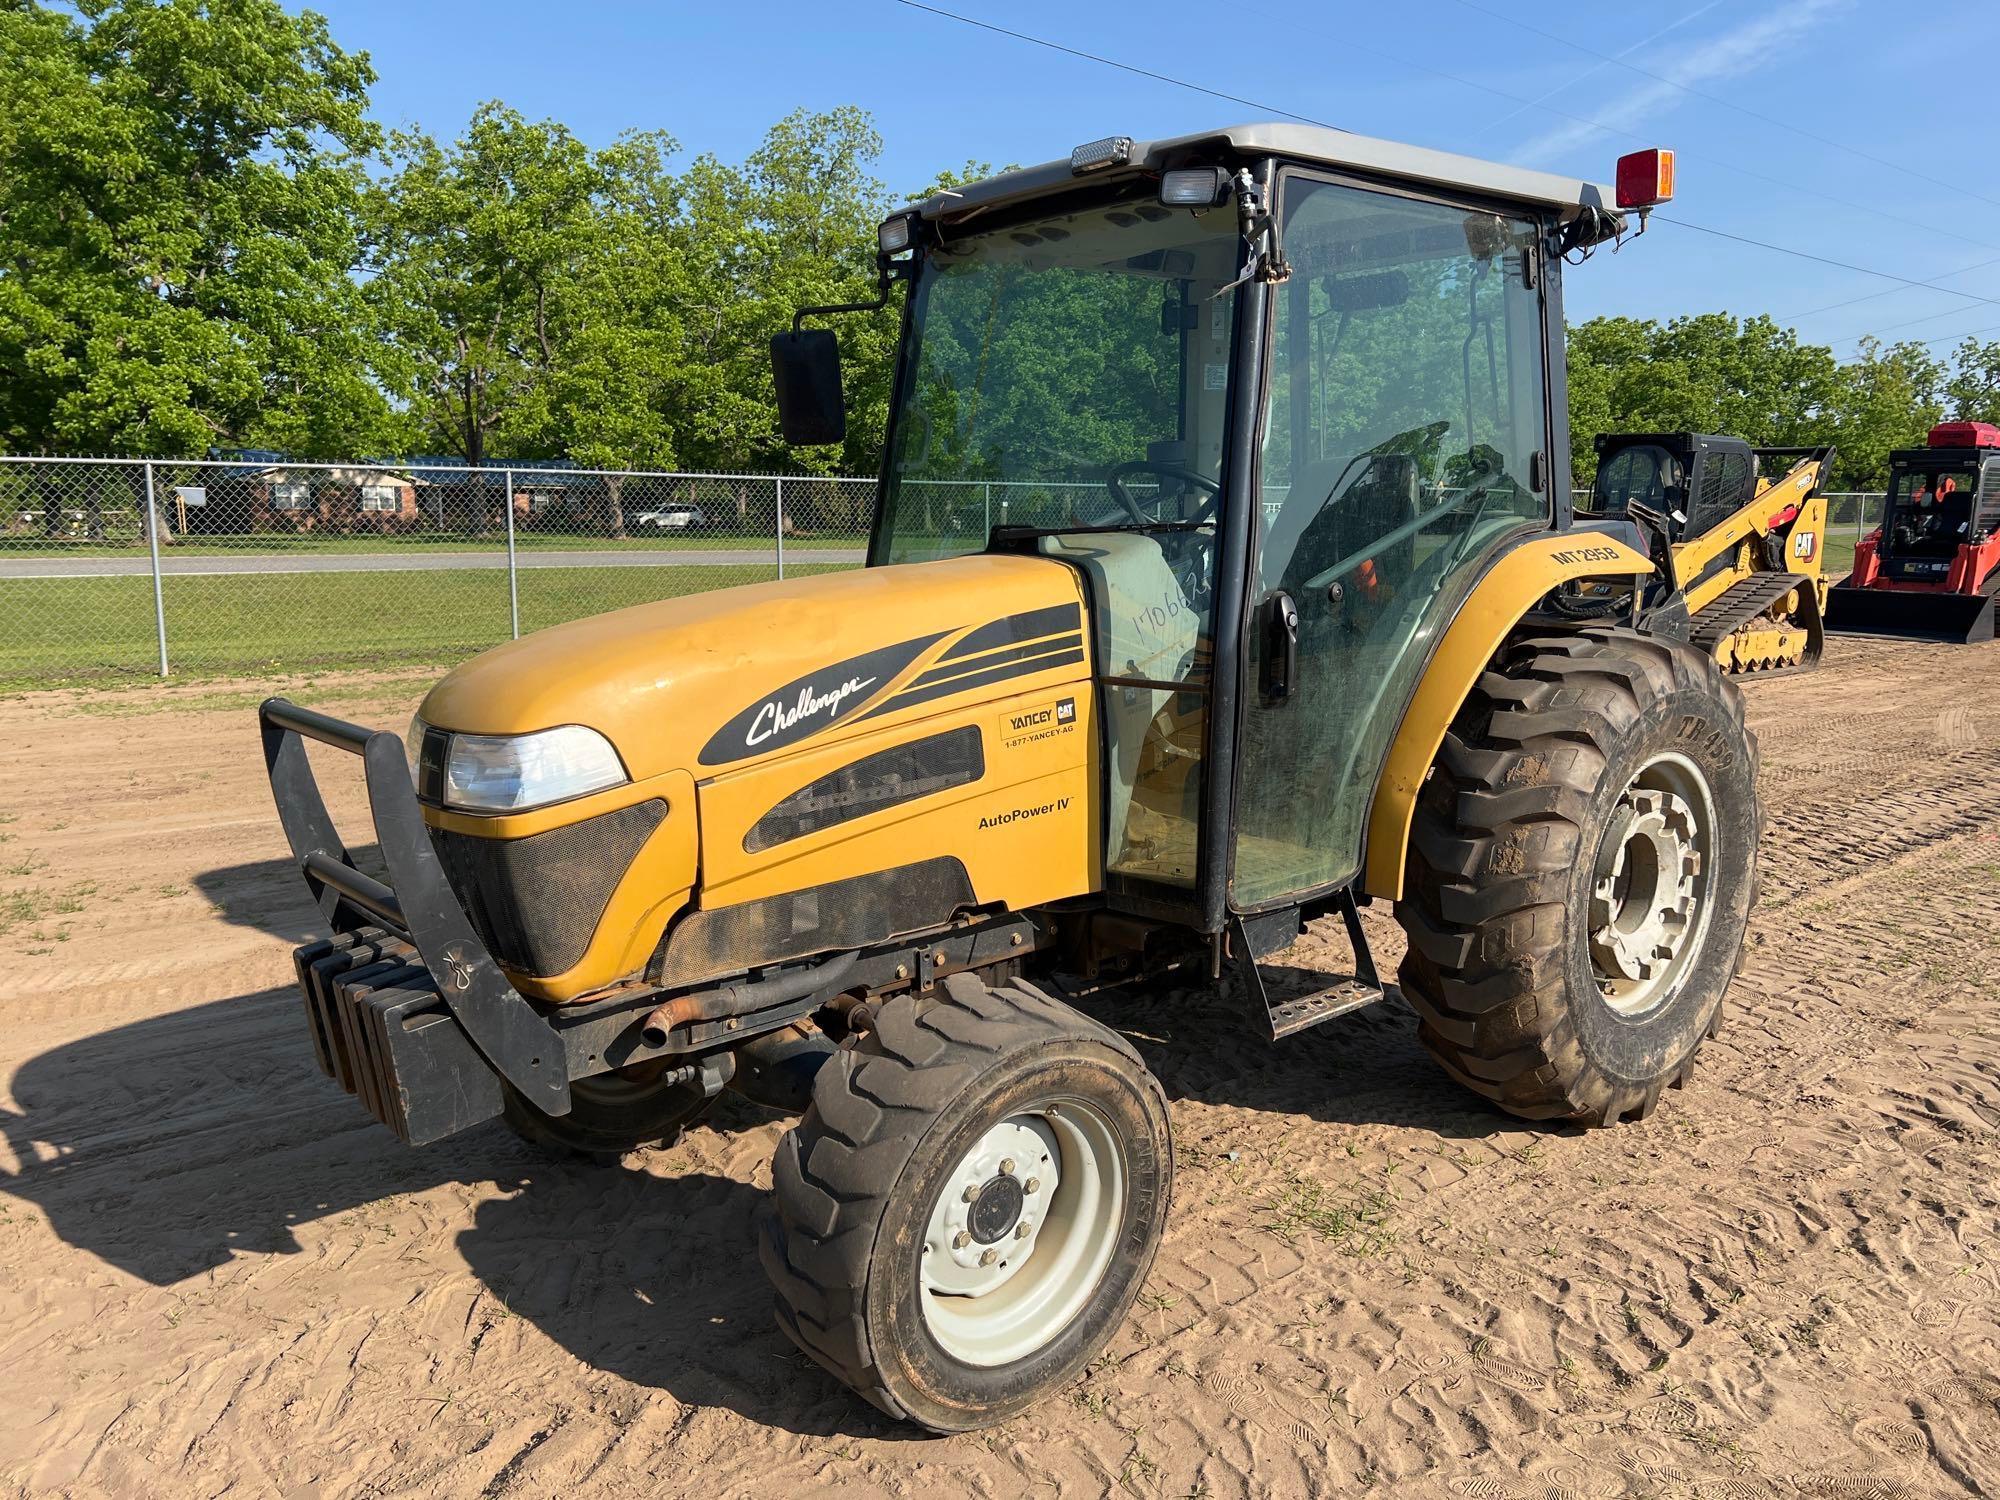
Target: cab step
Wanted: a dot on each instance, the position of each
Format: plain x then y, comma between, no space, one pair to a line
1293,998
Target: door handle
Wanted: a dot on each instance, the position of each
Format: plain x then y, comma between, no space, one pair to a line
1281,647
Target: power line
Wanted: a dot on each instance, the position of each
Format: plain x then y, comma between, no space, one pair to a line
1484,88
1112,62
1353,45
1726,103
1930,282
1693,15
1744,239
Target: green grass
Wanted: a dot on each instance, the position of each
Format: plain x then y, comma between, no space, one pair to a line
289,545
58,632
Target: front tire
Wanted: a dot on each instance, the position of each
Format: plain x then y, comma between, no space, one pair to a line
965,1215
1583,864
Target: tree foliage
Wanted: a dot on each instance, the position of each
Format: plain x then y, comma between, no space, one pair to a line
180,218
206,243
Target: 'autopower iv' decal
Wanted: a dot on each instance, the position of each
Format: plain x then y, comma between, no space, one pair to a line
819,700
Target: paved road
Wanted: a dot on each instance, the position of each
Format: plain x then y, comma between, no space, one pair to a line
406,562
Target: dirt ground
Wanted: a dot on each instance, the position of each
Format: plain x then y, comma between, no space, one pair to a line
218,1276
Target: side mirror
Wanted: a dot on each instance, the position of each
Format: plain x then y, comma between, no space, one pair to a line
805,364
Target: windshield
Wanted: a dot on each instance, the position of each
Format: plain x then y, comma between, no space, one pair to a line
1643,472
1931,510
1064,371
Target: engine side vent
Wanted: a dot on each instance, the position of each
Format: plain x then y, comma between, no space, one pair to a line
888,778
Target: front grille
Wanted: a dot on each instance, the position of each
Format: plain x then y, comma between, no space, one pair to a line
536,901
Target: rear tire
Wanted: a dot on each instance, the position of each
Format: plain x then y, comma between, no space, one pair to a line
1583,861
965,1215
609,1115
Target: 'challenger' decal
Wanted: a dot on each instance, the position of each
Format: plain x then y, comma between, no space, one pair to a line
817,701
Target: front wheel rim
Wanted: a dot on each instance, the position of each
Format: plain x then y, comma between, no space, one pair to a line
1023,1230
1651,886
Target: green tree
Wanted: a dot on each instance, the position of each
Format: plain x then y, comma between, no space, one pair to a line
1890,396
1973,389
178,184
479,248
1705,373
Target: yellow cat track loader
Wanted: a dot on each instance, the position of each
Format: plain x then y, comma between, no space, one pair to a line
1282,619
1746,550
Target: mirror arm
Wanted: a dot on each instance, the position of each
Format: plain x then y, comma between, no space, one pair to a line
888,273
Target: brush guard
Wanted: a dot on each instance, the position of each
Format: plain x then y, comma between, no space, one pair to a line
407,1008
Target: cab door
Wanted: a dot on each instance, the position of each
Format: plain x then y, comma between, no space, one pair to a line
1406,439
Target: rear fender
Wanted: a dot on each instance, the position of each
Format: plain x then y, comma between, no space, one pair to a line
1512,586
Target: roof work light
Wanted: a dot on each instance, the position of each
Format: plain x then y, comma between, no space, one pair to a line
1194,187
1645,178
893,237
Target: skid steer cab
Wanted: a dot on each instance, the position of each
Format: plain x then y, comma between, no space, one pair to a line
1742,532
1931,570
1223,579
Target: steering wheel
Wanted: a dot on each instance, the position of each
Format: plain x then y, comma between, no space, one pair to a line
1115,482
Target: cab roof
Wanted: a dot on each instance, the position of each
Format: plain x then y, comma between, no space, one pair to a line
1316,144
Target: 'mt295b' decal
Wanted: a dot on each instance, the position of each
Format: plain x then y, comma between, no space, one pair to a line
805,706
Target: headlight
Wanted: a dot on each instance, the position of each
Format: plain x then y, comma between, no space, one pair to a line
509,772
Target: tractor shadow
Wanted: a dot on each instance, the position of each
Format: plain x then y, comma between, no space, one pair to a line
172,1146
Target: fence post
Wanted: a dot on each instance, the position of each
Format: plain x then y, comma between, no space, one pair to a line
513,571
153,546
780,531
988,487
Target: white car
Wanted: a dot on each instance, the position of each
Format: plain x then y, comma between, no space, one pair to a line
678,517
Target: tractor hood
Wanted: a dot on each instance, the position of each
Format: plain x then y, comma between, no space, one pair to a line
721,679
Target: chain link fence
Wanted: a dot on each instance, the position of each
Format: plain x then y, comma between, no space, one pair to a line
120,568
248,566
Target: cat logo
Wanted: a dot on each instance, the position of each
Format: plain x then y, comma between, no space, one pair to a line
1804,545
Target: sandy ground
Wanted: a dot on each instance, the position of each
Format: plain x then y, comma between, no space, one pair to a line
218,1276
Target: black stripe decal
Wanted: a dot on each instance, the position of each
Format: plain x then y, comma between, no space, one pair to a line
998,659
1014,629
977,679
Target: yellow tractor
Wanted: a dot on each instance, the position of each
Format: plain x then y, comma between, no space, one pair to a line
1280,618
1746,548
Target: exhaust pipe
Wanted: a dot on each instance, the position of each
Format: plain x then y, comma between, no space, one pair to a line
742,999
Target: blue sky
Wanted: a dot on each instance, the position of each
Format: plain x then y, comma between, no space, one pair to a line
1890,97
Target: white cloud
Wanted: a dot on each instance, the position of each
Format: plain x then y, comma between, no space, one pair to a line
1753,47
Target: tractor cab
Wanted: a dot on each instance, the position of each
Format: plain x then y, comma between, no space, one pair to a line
1278,397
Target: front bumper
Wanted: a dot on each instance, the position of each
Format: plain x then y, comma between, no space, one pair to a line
407,1008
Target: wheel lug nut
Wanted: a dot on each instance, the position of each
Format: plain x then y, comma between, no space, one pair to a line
987,1257
960,1240
1033,1184
970,1195
1022,1231
1006,1166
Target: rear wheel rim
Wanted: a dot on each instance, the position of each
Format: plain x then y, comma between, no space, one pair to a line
1650,893
1022,1232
